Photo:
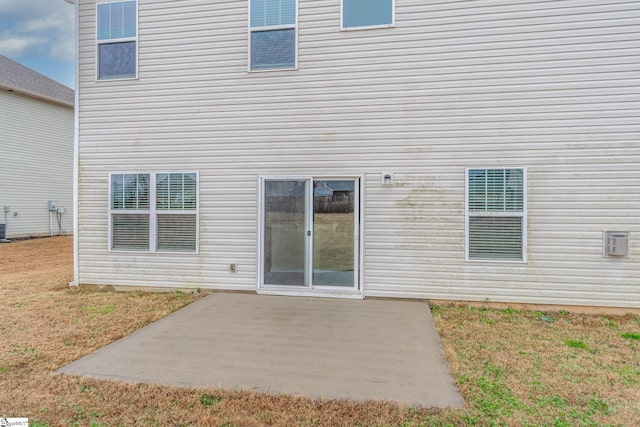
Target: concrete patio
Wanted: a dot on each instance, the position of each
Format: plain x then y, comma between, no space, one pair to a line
318,347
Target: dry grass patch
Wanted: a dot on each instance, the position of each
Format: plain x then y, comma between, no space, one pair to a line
46,325
513,367
533,368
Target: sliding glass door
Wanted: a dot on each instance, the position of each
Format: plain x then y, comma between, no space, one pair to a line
310,233
334,228
285,233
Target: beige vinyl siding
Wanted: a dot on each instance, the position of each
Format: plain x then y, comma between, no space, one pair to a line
547,85
36,138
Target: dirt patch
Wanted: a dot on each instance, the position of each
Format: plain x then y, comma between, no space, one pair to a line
37,256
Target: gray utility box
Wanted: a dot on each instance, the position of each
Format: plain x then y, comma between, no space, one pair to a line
3,231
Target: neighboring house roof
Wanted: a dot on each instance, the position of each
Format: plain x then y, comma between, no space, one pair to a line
323,191
340,185
19,78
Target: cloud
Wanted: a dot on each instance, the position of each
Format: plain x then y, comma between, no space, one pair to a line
50,23
16,46
20,10
64,51
37,28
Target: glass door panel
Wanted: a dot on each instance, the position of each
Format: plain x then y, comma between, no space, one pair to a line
334,233
285,232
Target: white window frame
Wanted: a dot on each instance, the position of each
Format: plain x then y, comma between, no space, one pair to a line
118,40
128,211
153,213
250,30
368,27
523,215
358,291
159,212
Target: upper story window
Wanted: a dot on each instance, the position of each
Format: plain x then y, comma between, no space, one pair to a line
272,34
117,38
367,13
496,216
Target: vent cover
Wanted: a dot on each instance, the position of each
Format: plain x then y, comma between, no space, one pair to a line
616,243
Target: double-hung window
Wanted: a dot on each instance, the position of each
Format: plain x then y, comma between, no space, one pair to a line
117,39
367,13
130,211
167,222
272,34
496,220
176,205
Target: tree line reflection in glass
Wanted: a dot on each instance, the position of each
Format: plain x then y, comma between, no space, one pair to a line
176,191
130,191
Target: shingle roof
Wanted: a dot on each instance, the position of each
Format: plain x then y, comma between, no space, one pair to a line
22,79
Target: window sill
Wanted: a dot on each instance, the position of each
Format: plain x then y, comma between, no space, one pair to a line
267,70
496,261
132,252
368,27
118,79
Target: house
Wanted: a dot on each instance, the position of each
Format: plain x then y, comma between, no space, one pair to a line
491,149
36,139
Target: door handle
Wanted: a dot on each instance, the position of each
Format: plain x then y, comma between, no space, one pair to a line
309,233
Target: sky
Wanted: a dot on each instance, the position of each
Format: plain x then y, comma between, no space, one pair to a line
39,34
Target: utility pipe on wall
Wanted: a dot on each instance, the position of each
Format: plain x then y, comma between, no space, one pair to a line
76,173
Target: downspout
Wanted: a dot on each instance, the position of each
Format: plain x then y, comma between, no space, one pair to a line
76,151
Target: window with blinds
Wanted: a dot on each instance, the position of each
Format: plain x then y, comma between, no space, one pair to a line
176,202
167,222
116,36
496,214
272,28
130,212
367,13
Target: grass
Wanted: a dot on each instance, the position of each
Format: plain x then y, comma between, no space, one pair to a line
528,368
333,241
513,367
631,336
576,344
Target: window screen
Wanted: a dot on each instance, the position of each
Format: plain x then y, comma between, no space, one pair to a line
273,49
177,232
273,34
116,40
495,214
130,232
116,60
